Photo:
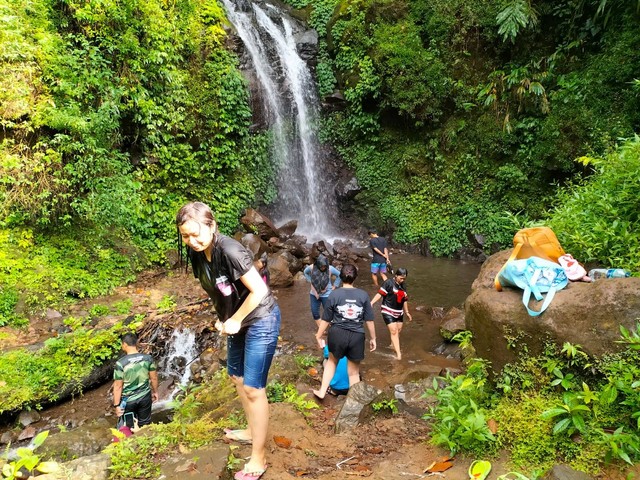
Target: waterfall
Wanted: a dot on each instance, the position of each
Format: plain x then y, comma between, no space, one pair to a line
182,351
288,93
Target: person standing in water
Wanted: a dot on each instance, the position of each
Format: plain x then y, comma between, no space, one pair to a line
394,306
347,312
319,276
380,256
247,313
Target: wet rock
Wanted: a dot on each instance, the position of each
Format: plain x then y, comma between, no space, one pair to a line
9,436
256,223
359,396
452,323
587,314
564,472
295,247
285,231
94,467
280,275
27,434
254,244
27,417
347,189
295,264
88,439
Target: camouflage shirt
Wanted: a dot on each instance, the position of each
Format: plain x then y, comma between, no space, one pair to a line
134,370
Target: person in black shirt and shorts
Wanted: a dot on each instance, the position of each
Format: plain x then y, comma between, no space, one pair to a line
247,314
394,306
347,312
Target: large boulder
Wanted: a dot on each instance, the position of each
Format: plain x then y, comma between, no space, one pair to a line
259,224
585,314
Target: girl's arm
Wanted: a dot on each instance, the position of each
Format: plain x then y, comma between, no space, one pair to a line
257,291
376,298
322,327
336,273
406,311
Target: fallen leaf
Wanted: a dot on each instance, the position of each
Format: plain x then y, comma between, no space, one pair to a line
361,468
182,449
312,372
438,467
375,450
493,426
282,442
301,473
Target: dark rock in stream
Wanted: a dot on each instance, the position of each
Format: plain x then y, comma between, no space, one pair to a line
87,439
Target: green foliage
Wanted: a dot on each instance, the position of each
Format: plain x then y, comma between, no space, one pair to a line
166,304
460,416
383,405
278,392
33,378
28,460
306,361
515,15
595,218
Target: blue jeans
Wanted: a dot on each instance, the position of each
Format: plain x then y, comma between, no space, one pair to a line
249,354
315,305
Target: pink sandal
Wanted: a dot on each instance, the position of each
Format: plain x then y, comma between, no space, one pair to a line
244,475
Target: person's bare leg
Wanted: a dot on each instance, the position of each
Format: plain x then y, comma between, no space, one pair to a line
353,370
257,413
374,277
327,375
238,382
395,339
384,276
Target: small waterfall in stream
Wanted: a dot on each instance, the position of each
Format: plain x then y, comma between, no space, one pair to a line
290,103
182,351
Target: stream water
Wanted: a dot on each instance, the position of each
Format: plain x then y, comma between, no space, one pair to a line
431,283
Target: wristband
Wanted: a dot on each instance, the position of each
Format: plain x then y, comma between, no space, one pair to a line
116,406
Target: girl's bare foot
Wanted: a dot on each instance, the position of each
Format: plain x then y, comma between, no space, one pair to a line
399,356
318,394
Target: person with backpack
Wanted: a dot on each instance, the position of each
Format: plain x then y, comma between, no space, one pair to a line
248,315
394,306
135,384
348,311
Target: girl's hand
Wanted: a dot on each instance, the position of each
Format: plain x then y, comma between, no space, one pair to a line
409,317
232,326
219,326
372,344
320,341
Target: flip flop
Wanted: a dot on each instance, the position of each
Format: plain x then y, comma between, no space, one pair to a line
234,435
244,475
479,469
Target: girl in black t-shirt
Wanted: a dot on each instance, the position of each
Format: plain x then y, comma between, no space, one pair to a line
394,306
247,313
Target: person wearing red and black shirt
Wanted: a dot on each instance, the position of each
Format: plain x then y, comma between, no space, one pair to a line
394,306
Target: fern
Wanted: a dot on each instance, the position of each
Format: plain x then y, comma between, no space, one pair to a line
515,16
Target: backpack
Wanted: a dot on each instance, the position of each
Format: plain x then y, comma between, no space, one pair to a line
533,242
535,276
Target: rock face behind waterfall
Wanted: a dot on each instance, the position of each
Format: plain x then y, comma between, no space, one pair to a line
585,314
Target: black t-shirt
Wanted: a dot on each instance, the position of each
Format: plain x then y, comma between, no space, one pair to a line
348,308
220,278
380,243
394,296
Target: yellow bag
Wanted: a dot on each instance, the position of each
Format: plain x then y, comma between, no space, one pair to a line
534,242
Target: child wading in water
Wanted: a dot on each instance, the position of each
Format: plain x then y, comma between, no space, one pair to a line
394,306
348,310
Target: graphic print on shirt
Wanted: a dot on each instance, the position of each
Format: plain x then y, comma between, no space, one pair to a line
350,311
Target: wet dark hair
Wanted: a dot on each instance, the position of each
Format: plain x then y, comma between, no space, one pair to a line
199,212
401,272
372,230
348,273
130,339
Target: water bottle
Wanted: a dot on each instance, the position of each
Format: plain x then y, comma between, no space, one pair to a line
598,273
123,404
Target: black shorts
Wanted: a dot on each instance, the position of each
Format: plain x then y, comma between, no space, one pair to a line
345,343
141,409
389,319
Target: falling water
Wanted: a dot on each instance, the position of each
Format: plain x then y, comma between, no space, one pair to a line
182,351
288,93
